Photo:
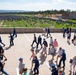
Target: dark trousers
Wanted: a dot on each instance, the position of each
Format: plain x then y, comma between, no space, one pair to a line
61,60
36,70
11,42
38,44
34,42
48,33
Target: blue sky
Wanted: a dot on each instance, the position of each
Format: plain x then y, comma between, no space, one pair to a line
37,5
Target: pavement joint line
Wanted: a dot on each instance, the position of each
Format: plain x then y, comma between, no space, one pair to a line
17,70
27,37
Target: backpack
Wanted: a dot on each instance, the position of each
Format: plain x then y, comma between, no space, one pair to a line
45,43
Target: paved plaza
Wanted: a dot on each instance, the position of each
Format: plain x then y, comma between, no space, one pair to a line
22,47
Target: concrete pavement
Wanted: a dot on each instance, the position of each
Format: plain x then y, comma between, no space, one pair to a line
22,47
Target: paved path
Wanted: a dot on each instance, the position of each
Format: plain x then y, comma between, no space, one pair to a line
22,49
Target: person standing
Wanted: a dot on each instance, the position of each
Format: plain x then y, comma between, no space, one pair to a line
51,42
63,59
48,32
11,40
36,66
55,43
68,37
35,40
45,45
1,41
21,65
39,41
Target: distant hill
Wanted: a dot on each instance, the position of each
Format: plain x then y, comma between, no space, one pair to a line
7,11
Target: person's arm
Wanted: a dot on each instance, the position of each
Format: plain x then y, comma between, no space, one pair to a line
30,57
4,57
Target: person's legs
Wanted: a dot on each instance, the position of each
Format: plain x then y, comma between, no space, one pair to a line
32,43
60,62
63,63
37,44
37,70
4,72
34,71
2,43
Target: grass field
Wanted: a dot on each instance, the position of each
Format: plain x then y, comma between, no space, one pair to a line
36,22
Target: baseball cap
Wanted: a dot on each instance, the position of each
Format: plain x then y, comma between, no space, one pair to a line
20,59
53,65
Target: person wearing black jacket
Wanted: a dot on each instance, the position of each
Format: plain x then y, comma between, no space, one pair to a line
35,40
39,41
36,66
63,58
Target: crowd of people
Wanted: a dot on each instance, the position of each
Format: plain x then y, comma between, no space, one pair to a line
51,48
67,33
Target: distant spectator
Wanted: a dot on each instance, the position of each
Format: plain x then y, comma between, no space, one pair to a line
51,42
11,40
53,52
55,43
44,31
34,40
48,32
39,41
14,32
68,37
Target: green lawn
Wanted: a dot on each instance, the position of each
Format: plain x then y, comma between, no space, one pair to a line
36,22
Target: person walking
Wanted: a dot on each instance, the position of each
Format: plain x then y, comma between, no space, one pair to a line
45,45
39,41
36,66
14,32
11,40
59,54
35,40
21,65
48,32
63,59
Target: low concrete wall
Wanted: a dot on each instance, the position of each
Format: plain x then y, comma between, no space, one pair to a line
28,30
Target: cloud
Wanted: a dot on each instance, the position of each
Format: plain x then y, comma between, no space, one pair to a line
36,6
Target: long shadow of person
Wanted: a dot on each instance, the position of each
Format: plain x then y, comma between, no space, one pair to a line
50,63
42,59
7,48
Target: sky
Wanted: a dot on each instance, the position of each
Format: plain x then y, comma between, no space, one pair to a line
37,5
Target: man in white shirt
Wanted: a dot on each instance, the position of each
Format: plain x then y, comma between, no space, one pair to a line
59,53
